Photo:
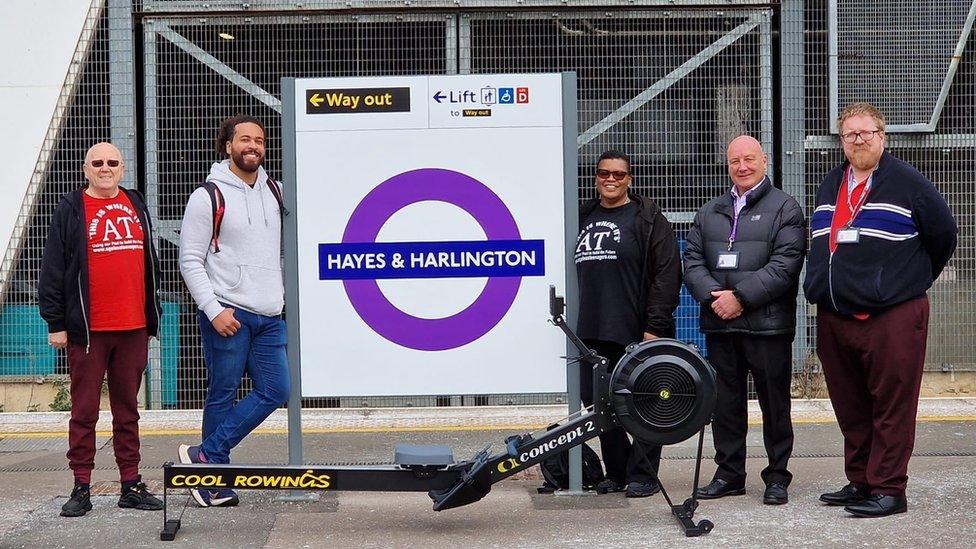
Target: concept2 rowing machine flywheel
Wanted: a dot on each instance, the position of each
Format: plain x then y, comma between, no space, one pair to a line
662,391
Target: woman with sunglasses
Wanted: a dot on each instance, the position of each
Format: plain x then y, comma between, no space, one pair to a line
629,275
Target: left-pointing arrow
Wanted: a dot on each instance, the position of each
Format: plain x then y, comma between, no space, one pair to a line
316,100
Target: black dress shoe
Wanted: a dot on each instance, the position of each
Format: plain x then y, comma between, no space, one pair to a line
878,506
775,494
719,488
848,495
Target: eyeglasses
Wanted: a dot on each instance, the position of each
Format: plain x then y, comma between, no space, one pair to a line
606,174
100,163
866,135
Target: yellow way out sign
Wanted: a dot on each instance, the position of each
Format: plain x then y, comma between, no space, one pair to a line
357,100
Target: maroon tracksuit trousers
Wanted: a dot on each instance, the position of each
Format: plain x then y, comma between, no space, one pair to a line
123,356
873,370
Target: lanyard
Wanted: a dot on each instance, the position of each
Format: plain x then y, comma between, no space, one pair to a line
735,226
735,216
856,208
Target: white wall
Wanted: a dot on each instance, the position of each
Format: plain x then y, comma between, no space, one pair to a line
37,41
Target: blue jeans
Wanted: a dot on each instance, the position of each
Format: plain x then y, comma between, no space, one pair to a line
258,347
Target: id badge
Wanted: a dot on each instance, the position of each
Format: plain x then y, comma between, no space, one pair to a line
849,236
727,261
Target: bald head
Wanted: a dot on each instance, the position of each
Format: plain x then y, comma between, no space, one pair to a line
105,149
103,178
746,162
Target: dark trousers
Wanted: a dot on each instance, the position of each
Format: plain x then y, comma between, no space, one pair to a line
624,461
769,359
123,356
873,370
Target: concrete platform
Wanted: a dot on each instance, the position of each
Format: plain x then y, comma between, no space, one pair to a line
942,498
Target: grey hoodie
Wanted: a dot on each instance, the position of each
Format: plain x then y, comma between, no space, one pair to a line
246,273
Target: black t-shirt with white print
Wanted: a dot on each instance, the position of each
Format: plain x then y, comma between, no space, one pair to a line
608,264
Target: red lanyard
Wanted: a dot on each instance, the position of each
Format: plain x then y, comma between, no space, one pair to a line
856,208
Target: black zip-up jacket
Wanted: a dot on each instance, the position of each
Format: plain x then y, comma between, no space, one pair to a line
771,239
907,236
62,288
661,264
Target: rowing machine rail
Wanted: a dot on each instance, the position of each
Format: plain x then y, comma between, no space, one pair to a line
633,396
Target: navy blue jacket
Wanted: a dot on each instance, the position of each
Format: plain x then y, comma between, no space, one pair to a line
907,236
62,287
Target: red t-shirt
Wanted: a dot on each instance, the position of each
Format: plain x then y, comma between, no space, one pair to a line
116,264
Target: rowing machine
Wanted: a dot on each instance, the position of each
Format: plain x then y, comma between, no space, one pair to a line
661,392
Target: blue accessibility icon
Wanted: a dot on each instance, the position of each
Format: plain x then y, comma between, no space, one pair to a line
506,95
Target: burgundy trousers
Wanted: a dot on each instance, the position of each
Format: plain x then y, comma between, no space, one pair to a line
123,356
873,370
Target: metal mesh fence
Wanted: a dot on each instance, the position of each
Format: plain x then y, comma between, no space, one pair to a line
668,84
946,156
896,54
80,119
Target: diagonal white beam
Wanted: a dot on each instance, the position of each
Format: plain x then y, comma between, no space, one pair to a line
218,66
666,82
967,29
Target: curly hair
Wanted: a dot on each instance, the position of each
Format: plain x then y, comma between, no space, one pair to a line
225,132
861,109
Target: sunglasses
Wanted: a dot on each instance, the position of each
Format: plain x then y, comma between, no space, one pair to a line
100,163
617,175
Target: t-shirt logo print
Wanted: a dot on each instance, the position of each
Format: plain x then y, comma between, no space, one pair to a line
598,242
121,229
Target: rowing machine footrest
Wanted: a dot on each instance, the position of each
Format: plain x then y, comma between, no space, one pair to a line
474,484
513,443
424,455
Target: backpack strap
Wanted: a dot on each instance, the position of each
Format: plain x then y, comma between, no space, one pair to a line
217,208
276,191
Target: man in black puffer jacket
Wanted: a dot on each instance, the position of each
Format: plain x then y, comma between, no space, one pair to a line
742,263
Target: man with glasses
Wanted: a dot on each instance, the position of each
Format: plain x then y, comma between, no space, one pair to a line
881,234
742,264
237,284
629,275
98,292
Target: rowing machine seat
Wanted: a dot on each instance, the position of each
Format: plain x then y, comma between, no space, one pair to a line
425,455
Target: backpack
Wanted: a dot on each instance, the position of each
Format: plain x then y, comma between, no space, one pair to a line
555,471
217,206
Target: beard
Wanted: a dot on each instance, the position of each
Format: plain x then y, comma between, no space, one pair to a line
864,159
244,164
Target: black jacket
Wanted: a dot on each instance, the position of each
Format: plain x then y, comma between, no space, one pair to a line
907,237
62,288
771,240
661,282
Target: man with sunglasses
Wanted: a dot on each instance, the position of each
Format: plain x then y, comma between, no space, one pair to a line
881,234
742,264
98,291
236,281
629,274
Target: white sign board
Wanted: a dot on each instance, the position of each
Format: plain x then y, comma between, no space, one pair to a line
431,218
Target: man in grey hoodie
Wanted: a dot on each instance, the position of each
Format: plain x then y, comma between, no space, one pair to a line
232,268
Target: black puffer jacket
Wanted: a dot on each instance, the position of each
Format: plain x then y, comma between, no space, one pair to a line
771,240
62,288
